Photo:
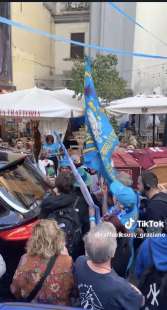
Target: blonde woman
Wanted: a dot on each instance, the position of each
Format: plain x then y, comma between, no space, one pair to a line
46,242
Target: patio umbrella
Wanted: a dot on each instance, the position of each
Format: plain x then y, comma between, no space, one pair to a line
142,104
153,104
38,102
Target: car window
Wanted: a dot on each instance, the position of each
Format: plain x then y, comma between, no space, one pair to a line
22,186
2,209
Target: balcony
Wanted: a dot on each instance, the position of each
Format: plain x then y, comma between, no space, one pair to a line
69,12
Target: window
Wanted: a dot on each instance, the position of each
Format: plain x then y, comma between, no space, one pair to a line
3,210
21,186
77,51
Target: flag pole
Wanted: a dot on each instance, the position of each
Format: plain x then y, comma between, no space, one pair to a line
79,179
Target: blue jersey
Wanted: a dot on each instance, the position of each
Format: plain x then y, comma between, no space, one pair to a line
51,149
114,210
128,219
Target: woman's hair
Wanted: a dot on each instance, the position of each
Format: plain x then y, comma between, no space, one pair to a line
120,228
47,239
64,182
49,138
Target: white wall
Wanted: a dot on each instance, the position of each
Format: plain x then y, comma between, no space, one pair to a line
111,29
62,51
150,73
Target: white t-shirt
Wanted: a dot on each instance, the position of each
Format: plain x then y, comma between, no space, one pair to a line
43,164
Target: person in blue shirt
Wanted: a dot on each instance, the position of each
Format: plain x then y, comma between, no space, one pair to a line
153,251
151,271
123,127
64,166
51,148
126,200
125,205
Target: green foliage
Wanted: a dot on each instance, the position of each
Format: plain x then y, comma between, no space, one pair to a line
106,78
114,124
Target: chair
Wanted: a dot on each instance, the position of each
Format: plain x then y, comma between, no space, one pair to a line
147,138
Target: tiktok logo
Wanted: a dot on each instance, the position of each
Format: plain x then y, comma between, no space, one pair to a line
129,223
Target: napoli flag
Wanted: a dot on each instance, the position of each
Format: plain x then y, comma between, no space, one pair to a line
100,132
91,156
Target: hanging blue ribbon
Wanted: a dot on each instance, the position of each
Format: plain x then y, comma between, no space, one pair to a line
119,10
13,23
122,12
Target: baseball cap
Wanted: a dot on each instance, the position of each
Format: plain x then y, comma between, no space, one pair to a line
64,163
124,194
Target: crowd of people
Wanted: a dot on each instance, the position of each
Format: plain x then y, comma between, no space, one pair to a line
71,261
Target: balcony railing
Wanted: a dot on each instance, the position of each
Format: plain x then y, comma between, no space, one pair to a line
77,6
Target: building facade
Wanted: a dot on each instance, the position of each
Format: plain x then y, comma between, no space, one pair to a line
26,59
5,51
110,29
32,55
150,74
72,23
33,60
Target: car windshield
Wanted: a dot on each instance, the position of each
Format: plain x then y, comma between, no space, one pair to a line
22,186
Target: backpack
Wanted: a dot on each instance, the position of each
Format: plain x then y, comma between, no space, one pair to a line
68,220
153,285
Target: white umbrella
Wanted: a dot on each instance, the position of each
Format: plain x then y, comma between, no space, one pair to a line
37,102
153,104
68,96
142,104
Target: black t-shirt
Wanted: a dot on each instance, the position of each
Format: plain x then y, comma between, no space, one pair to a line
122,256
104,291
157,208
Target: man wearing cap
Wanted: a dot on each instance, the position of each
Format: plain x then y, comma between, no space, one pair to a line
64,166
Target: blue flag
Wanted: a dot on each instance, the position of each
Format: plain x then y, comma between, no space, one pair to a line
101,139
91,157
